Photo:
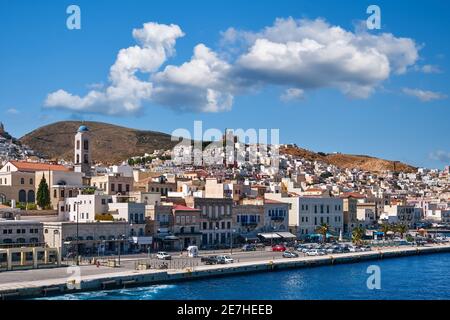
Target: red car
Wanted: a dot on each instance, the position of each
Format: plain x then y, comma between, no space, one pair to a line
279,247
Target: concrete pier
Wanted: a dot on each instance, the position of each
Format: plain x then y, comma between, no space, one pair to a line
109,280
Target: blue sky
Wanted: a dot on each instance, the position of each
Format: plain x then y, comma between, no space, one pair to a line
405,117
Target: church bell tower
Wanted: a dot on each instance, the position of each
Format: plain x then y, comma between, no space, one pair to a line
83,160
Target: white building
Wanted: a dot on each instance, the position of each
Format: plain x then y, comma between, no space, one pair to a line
306,214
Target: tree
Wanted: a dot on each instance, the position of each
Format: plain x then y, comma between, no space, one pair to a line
323,230
402,229
358,234
43,194
385,228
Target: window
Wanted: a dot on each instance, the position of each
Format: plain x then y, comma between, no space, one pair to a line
86,144
127,188
78,144
22,181
113,187
31,181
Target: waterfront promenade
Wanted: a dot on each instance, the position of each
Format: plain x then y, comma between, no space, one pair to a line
41,282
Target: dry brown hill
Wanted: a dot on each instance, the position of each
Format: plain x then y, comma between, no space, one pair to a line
111,144
363,162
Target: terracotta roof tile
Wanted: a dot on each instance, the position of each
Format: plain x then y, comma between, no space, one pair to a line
36,166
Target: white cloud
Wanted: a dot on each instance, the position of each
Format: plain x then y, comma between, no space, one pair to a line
429,68
202,83
291,94
313,54
12,111
126,91
297,55
441,156
424,95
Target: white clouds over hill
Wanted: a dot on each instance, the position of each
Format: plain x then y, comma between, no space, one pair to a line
297,55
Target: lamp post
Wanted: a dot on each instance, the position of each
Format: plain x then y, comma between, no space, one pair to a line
231,240
78,243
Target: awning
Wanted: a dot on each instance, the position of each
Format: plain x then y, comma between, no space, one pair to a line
269,235
286,235
171,238
142,240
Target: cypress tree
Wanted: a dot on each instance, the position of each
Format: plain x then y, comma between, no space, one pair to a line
43,194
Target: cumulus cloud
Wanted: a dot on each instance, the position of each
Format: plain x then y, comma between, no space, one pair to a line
441,156
291,94
202,83
126,91
297,55
314,54
424,95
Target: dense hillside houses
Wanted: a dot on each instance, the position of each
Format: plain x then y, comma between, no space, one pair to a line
12,149
154,203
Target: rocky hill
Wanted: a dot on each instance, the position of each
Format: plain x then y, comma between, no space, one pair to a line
340,160
111,144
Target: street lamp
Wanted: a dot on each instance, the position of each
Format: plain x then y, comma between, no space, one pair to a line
231,240
121,237
78,243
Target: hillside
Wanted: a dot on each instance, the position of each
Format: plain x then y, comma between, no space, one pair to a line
111,144
363,162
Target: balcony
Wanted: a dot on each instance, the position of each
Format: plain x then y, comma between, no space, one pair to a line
277,218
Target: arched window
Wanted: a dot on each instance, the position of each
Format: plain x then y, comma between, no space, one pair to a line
86,144
31,196
22,196
46,231
78,159
78,144
31,181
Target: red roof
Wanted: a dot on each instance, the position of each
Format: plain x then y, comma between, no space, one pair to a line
180,207
352,194
36,166
273,201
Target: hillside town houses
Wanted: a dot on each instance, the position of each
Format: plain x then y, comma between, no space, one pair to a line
166,205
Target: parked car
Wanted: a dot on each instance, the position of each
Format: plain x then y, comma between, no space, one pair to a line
209,260
163,256
279,248
224,259
249,247
290,254
312,252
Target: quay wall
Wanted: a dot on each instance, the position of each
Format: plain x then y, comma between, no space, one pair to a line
149,277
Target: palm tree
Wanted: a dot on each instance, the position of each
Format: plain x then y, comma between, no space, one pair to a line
385,228
402,229
358,234
323,230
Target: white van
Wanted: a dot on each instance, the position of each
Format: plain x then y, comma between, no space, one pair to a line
192,251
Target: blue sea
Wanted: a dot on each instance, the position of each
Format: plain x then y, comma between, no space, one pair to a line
417,277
